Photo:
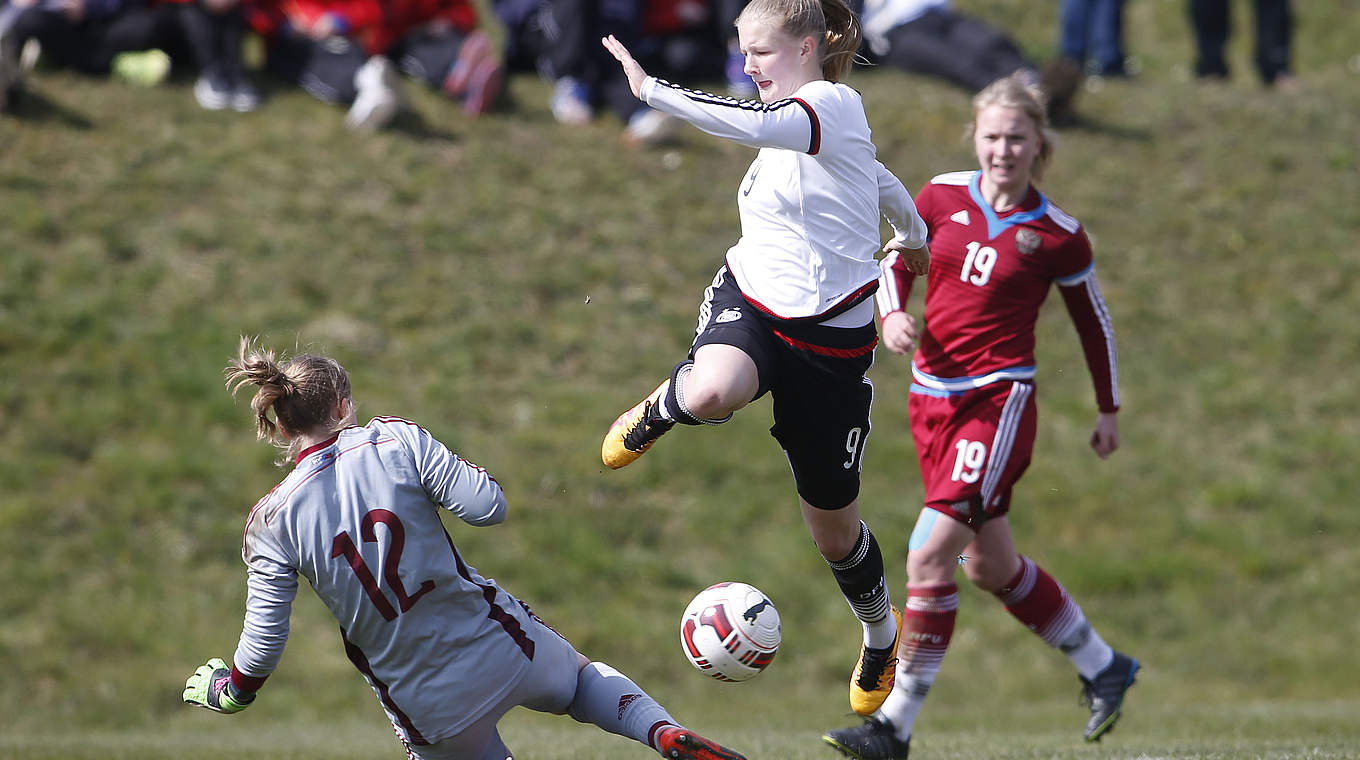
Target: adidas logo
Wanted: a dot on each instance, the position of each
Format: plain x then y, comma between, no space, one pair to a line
625,700
961,217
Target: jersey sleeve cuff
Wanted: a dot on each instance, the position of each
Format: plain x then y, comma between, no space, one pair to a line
244,682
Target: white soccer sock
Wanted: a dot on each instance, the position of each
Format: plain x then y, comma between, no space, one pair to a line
610,700
881,634
1088,651
905,701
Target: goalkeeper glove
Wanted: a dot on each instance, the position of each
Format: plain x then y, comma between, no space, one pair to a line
210,686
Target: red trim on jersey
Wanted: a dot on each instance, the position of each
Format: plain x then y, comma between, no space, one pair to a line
314,448
841,353
360,660
497,613
840,306
815,144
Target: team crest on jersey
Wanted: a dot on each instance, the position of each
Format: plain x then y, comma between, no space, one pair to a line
961,217
1026,240
727,315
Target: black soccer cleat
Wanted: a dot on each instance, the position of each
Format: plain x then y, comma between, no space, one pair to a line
1105,695
874,740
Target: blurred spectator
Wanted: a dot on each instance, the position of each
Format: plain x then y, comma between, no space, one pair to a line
316,47
1091,33
213,31
83,35
88,35
739,85
351,52
561,40
929,37
1212,25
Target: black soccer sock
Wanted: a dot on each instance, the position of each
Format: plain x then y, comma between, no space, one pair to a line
860,575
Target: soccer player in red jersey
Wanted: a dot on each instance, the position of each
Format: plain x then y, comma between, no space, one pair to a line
997,245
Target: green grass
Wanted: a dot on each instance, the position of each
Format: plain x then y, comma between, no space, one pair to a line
513,284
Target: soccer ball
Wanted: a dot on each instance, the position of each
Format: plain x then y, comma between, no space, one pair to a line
730,631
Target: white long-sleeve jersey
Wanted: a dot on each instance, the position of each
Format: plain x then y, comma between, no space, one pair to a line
357,517
811,200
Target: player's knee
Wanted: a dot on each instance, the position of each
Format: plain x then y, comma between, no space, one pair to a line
709,398
986,573
925,566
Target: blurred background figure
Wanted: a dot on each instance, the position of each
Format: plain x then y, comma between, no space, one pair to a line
1091,33
354,52
441,44
82,35
213,31
91,35
1212,24
560,39
317,46
929,37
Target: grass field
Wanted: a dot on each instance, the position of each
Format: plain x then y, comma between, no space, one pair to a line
513,284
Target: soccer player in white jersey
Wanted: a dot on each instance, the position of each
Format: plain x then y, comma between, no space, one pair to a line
447,651
791,311
998,245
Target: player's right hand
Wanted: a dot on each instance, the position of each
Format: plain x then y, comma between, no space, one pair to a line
210,687
899,332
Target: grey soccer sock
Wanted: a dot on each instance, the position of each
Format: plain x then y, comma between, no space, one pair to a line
610,700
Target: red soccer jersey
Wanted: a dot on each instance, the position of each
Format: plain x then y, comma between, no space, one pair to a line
989,274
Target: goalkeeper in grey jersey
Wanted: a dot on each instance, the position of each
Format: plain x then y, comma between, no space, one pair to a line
446,650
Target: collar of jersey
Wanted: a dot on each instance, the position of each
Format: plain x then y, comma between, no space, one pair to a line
995,224
315,448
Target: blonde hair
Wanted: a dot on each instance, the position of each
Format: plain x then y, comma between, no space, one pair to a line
1018,92
301,391
830,22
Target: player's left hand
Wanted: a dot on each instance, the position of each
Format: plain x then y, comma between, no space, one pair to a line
210,687
916,259
631,68
1105,439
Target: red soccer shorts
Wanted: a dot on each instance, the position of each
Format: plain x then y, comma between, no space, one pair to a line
973,446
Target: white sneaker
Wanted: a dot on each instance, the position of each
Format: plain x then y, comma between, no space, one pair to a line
649,126
213,91
570,102
379,97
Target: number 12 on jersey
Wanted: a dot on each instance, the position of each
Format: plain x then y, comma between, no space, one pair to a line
343,546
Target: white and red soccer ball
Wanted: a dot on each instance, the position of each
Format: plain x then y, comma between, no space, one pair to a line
730,631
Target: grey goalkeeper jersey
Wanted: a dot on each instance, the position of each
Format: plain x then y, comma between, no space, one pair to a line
357,517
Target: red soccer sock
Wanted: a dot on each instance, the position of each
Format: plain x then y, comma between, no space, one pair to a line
927,626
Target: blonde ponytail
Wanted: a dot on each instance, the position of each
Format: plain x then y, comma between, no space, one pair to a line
302,392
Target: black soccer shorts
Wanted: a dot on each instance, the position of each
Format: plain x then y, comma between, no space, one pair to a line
816,378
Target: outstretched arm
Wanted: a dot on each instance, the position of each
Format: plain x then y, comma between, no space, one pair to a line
631,68
788,124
